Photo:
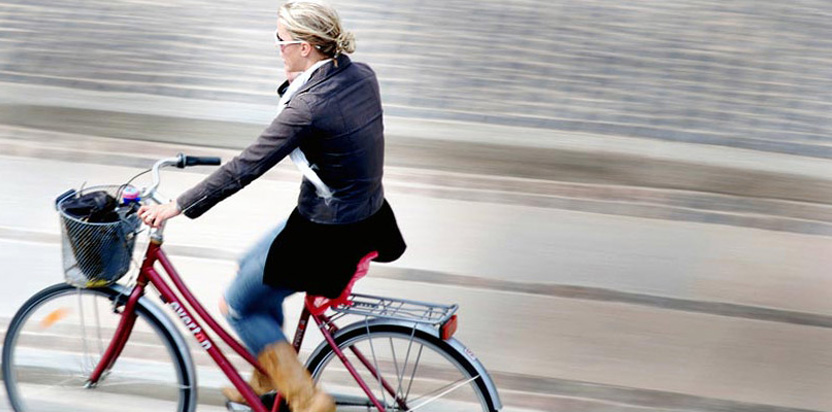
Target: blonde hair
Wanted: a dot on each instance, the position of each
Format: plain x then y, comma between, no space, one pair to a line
318,24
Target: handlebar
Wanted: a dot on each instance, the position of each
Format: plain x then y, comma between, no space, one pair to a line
181,161
185,161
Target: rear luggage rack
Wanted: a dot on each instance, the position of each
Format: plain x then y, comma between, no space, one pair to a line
398,309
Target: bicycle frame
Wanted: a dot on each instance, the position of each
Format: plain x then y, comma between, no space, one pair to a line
149,275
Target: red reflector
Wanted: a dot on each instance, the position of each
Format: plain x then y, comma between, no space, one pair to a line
449,328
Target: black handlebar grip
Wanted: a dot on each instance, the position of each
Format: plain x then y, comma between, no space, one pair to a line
202,161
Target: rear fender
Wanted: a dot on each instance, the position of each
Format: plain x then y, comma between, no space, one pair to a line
453,344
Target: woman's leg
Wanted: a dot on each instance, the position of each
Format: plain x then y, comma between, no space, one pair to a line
253,309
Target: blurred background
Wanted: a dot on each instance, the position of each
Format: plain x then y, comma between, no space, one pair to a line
630,200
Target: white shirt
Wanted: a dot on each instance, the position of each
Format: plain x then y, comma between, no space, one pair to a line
297,156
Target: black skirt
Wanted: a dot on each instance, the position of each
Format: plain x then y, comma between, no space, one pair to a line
321,259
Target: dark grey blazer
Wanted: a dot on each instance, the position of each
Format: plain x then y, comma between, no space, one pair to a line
336,119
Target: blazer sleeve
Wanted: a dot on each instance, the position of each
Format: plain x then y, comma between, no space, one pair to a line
284,134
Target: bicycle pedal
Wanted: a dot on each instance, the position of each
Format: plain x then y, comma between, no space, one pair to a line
237,407
267,399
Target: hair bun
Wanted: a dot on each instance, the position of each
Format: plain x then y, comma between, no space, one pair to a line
318,24
346,42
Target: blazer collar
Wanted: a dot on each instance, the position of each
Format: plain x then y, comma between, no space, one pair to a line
325,72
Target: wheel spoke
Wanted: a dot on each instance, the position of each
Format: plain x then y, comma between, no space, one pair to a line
375,364
121,382
98,331
413,375
83,326
47,389
400,390
396,366
441,392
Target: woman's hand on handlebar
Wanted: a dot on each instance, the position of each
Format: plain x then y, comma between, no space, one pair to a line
155,215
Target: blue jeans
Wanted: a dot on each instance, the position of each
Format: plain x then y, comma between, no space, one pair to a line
255,310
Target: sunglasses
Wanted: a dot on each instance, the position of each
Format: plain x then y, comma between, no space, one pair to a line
280,42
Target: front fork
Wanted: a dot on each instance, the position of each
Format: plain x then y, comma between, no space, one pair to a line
123,331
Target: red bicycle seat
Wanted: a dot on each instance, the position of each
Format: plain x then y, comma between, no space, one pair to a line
317,305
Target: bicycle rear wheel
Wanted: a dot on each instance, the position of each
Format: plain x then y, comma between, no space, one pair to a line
423,372
56,339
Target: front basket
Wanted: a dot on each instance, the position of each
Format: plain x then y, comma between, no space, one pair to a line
96,254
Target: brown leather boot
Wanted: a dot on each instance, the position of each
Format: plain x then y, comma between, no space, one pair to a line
281,362
261,384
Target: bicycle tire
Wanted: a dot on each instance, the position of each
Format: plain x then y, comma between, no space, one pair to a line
330,375
48,352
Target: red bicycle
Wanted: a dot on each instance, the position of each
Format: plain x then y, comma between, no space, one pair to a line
93,344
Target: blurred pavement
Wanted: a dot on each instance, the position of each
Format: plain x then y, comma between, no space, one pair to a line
592,310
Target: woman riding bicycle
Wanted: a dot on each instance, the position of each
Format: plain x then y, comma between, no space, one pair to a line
330,124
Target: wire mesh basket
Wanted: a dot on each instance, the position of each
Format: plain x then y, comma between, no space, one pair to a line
97,254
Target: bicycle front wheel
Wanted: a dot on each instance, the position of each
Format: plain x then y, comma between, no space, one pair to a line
406,369
57,338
